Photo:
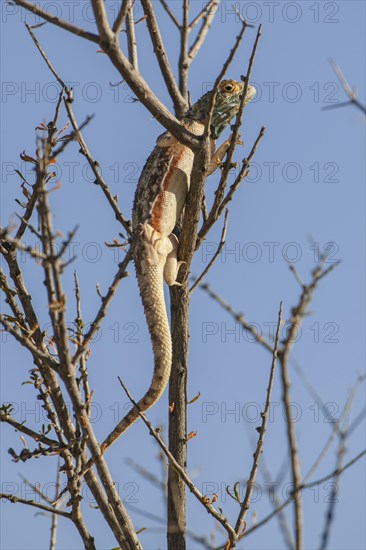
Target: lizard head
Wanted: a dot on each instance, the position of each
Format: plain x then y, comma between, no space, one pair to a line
227,104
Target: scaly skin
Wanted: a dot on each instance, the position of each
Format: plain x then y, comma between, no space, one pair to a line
159,200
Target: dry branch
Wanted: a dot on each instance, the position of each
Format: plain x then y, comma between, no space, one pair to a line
250,484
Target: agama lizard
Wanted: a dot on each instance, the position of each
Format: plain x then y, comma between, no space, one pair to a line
159,200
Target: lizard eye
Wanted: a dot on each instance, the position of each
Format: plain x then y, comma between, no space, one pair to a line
229,88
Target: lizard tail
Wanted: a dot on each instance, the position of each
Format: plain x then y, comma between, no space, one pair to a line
151,287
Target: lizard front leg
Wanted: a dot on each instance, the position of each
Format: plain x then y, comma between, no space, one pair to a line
219,154
172,263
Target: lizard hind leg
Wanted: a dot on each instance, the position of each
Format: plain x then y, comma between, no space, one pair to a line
156,246
172,263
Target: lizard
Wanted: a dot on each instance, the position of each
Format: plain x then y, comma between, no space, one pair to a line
159,201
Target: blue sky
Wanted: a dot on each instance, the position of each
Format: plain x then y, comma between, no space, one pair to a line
306,185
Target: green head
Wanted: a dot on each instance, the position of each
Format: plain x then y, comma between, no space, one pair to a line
226,105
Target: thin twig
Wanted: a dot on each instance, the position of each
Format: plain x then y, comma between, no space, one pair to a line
48,62
211,5
13,498
121,273
71,137
122,14
146,474
275,501
17,244
242,173
219,77
293,450
162,58
84,149
94,166
54,516
353,99
27,343
357,421
239,317
79,338
11,300
336,430
181,472
251,481
66,25
215,256
208,13
115,514
335,472
36,489
170,13
188,238
300,488
184,62
131,37
20,427
219,202
329,517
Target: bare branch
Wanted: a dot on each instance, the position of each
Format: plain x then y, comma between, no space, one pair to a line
353,99
182,473
20,427
27,343
11,300
18,245
251,481
94,165
43,54
238,122
122,14
215,256
84,149
344,432
107,40
300,488
336,431
79,339
179,99
210,6
43,507
208,13
34,8
136,82
220,202
294,455
188,238
242,173
239,317
184,62
146,474
131,38
335,472
275,500
71,137
220,76
54,516
170,13
298,313
121,273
